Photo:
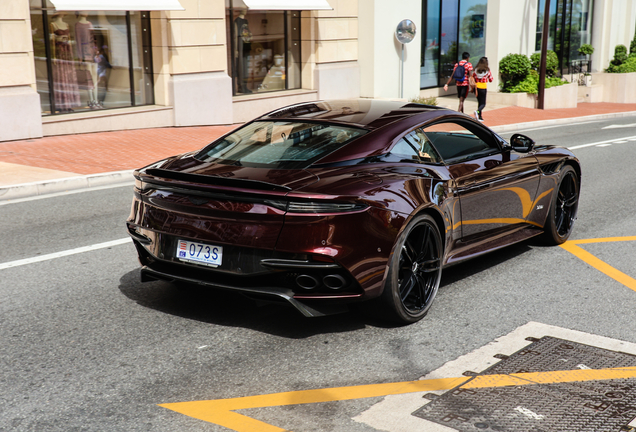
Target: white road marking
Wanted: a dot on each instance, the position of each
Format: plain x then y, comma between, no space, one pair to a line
528,413
71,192
616,126
548,127
51,256
612,141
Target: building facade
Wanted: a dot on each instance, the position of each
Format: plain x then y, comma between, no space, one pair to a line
74,66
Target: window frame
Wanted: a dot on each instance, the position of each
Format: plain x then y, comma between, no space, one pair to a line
477,131
416,151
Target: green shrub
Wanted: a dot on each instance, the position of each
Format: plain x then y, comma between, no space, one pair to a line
621,62
513,69
531,83
627,66
620,55
551,64
424,100
586,50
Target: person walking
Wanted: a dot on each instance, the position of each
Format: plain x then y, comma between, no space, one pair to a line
482,77
462,84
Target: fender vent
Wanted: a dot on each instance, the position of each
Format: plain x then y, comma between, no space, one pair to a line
551,168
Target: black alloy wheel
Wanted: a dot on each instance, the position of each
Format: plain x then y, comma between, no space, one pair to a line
563,209
415,271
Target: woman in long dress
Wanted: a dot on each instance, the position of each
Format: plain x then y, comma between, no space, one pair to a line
65,86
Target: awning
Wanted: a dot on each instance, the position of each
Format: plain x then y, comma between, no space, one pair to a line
287,4
117,5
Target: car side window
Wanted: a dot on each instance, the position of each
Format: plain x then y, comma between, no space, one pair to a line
455,141
416,146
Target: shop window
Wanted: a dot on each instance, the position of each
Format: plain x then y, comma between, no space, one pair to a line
263,49
91,60
570,24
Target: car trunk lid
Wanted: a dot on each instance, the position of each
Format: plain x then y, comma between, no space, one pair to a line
217,204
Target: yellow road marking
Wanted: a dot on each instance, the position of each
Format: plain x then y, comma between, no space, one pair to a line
221,411
603,240
603,267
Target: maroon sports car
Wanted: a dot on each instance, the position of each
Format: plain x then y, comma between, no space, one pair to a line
327,203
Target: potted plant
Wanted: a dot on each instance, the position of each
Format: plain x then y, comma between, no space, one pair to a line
587,50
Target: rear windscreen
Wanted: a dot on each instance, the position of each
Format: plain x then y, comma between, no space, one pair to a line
279,144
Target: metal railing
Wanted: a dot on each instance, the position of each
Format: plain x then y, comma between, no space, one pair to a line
579,69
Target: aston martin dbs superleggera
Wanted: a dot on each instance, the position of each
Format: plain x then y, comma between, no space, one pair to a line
327,203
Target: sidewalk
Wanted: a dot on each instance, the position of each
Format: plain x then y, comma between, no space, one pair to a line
59,163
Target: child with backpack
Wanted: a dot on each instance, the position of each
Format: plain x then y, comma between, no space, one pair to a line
482,77
461,79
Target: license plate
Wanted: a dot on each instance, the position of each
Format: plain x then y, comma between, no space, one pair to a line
200,253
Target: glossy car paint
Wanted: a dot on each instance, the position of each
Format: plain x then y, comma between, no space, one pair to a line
480,205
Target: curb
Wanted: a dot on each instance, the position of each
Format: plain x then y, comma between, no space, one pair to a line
47,187
24,190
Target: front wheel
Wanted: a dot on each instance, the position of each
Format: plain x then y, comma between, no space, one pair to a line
563,208
415,270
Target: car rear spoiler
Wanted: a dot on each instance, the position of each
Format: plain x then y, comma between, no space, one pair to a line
215,180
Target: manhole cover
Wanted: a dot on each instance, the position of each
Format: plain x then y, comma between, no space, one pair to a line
591,406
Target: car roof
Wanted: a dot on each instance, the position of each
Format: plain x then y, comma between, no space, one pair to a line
366,113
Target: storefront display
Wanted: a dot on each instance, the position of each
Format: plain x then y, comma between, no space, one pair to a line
264,53
83,59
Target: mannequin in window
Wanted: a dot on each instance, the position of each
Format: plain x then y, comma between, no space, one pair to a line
86,54
243,38
103,73
65,85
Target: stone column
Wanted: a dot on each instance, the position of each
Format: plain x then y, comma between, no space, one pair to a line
192,74
20,111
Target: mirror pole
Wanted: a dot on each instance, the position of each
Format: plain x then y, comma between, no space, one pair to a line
402,77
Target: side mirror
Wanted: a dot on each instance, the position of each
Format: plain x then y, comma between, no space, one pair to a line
522,143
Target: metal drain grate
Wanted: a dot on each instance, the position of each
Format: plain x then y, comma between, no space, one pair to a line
592,406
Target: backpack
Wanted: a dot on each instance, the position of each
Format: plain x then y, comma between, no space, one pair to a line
460,74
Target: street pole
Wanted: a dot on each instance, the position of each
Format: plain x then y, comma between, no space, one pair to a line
404,33
402,77
544,54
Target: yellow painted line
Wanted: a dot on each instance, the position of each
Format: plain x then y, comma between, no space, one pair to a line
602,266
533,378
603,240
221,411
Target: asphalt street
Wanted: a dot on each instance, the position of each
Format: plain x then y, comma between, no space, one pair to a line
87,347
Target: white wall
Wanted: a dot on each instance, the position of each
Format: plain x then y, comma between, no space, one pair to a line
380,52
510,29
613,24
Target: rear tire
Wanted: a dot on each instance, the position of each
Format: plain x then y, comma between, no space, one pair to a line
415,271
563,209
